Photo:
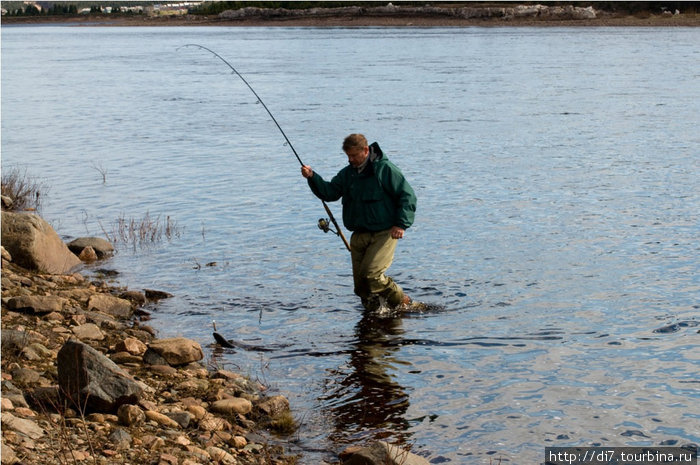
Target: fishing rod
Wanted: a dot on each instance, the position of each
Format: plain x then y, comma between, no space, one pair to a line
322,223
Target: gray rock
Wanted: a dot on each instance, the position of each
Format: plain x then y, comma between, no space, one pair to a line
182,418
14,394
25,376
151,357
34,244
102,247
87,377
120,438
13,339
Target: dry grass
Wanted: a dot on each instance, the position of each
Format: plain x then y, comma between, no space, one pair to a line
284,424
100,169
142,232
67,434
25,191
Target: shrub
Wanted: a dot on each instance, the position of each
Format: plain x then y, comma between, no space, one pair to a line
25,191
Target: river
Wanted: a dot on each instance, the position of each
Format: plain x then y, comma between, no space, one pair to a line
556,235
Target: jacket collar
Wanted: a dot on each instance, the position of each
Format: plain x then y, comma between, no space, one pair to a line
375,153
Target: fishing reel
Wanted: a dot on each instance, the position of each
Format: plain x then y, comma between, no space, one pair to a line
325,226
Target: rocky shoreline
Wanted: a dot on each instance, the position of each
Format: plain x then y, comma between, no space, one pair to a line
389,15
86,380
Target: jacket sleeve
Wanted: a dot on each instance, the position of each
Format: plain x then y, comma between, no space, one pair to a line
324,190
402,194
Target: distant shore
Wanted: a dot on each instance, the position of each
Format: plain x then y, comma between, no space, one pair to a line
602,20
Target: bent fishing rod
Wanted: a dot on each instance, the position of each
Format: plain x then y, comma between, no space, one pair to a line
322,223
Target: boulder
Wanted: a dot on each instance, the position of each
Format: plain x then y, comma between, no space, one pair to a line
176,351
111,305
103,248
232,406
380,453
37,303
34,244
88,378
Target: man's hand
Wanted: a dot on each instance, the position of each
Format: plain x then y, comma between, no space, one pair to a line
396,232
306,171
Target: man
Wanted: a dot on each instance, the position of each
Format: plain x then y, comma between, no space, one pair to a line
378,206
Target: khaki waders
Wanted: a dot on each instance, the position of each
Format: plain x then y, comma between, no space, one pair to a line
372,254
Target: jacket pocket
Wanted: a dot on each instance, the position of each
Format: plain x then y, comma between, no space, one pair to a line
373,207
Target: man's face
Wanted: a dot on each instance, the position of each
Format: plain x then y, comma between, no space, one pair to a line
356,156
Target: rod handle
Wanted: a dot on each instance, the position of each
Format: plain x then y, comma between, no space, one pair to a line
335,223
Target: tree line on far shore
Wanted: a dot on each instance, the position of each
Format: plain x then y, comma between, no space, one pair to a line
67,8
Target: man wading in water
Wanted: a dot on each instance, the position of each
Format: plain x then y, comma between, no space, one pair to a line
378,206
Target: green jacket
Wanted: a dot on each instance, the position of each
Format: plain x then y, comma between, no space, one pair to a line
374,200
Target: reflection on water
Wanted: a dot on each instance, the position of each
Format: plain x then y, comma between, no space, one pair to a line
363,397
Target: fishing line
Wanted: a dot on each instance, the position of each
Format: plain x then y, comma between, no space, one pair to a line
323,226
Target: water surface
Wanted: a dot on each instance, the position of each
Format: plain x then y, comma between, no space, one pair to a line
557,177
